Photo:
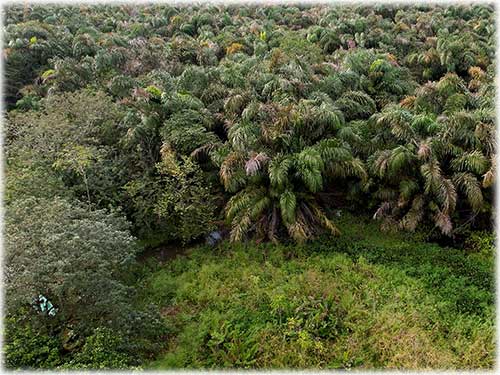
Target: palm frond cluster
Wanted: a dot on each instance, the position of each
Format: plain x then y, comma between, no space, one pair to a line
388,109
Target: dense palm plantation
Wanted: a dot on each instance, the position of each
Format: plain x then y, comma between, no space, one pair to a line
135,128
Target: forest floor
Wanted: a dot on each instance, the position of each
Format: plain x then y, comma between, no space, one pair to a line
365,299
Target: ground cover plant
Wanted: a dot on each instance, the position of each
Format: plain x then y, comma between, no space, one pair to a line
362,302
339,162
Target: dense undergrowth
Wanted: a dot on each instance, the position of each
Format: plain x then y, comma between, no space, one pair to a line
367,300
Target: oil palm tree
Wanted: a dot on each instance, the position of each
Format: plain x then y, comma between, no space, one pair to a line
277,162
436,163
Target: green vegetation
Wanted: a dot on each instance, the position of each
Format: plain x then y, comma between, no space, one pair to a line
271,133
367,301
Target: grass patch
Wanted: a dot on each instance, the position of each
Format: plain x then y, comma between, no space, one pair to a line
364,300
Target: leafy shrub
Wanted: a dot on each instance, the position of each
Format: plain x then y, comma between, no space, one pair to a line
177,204
186,202
29,347
104,349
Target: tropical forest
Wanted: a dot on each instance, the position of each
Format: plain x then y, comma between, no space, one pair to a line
248,186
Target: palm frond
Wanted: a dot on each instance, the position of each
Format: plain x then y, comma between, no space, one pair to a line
243,135
443,222
255,163
489,176
401,159
310,166
471,187
258,207
203,152
455,103
324,220
278,170
231,171
447,195
424,150
415,215
473,161
383,210
237,204
431,171
288,205
356,104
379,162
240,228
407,188
398,120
